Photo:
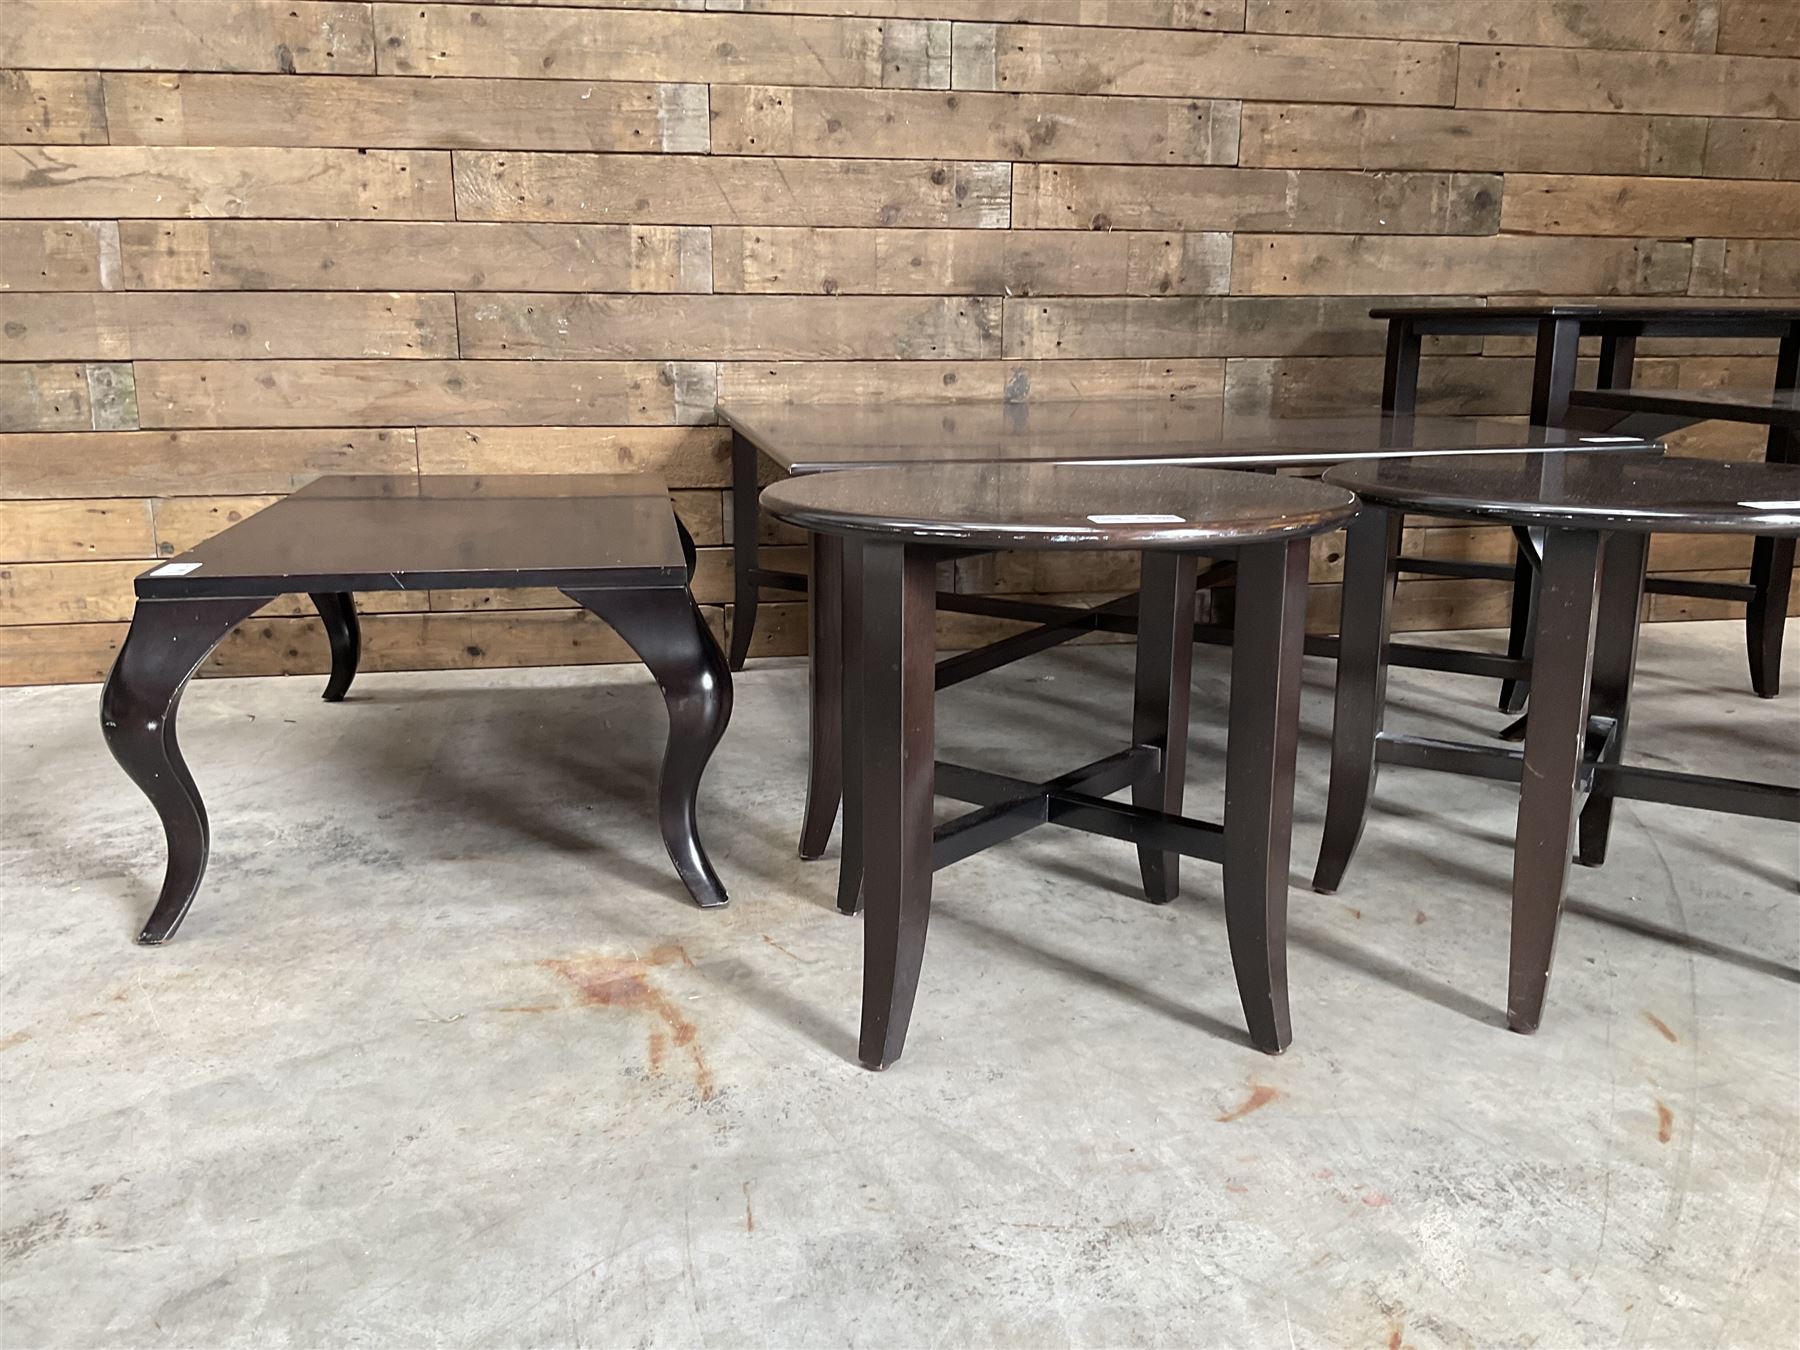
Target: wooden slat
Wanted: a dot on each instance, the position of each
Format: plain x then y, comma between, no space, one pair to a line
44,398
428,39
699,190
1200,326
76,531
1667,207
1203,14
1618,82
1027,58
1658,25
354,255
163,463
308,37
172,325
1104,197
422,393
58,653
1323,136
59,255
1459,385
69,592
727,327
1759,27
51,107
800,260
404,114
161,182
895,123
683,457
1010,381
1752,148
1325,264
1747,268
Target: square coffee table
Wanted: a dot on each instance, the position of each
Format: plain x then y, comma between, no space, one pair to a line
610,542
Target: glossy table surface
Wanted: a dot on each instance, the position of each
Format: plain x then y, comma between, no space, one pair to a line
1047,506
807,438
1636,311
1606,492
351,532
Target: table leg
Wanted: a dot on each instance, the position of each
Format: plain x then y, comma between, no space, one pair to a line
1165,664
850,741
898,656
1554,744
1260,747
1400,378
825,694
165,645
665,628
1615,659
1772,563
1367,599
746,532
338,610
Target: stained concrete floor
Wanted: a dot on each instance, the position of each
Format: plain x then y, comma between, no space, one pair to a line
444,1057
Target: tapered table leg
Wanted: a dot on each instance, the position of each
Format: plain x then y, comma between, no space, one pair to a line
897,666
746,531
338,610
1260,748
1165,664
665,628
1772,569
850,741
1554,745
1366,602
1615,659
167,641
825,694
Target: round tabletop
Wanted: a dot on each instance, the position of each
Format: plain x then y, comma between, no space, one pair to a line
1047,506
1633,492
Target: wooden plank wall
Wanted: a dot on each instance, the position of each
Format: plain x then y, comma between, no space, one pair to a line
243,242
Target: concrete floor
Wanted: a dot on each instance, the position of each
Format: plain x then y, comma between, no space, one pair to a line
444,1057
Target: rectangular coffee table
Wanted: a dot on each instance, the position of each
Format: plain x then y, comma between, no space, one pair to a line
611,543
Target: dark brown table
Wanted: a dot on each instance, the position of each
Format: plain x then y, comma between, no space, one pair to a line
611,543
1596,512
806,439
1558,329
894,525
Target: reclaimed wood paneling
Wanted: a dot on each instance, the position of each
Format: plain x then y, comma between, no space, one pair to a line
891,123
1665,207
51,107
162,182
247,242
728,327
521,43
61,255
1111,197
423,393
404,114
358,255
1325,136
1032,58
307,37
243,326
1557,79
722,190
807,261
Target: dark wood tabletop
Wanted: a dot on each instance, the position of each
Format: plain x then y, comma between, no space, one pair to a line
1600,492
381,533
804,438
1048,506
1637,318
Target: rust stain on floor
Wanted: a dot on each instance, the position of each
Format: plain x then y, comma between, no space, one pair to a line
1661,1026
1261,1094
17,1038
601,981
1665,1123
749,1213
